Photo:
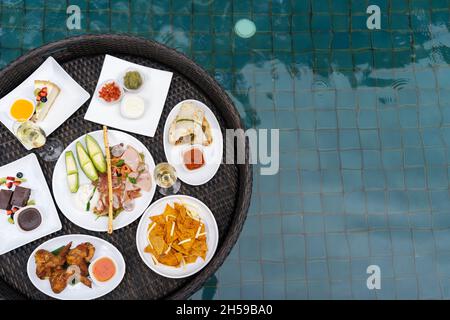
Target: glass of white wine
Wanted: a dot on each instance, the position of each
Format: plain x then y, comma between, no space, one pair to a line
166,179
30,134
33,137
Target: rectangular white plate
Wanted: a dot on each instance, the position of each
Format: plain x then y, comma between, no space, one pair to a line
10,236
69,100
154,92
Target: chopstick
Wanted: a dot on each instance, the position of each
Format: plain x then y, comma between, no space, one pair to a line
110,192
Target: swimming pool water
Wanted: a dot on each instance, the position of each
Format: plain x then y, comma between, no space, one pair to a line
364,119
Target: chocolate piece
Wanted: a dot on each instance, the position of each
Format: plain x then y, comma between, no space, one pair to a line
5,198
29,219
20,196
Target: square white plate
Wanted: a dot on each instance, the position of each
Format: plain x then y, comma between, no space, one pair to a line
154,92
69,100
10,236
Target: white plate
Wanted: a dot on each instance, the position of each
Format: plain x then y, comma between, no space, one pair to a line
10,236
154,91
69,100
79,291
212,153
66,200
212,236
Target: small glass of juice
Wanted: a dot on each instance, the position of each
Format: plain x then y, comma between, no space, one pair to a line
22,110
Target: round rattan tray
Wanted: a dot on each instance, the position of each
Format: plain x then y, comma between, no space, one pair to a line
227,194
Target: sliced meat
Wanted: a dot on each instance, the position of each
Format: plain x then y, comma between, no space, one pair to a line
144,181
131,158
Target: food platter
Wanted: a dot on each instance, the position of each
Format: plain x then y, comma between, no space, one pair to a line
79,291
226,194
68,202
205,216
212,152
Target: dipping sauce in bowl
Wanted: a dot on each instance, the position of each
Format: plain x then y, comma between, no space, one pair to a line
103,269
28,218
22,109
193,158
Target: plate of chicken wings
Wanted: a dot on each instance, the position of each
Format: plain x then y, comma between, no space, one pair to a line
76,267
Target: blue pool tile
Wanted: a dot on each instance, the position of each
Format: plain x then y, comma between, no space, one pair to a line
335,223
349,139
387,291
333,203
315,246
312,203
317,270
371,159
352,180
355,202
329,160
397,202
331,181
274,291
367,119
295,271
309,159
252,291
310,181
337,246
249,248
230,273
271,224
292,224
351,159
272,248
313,223
319,290
429,287
270,204
339,269
341,290
296,290
229,293
294,248
404,265
251,271
380,243
290,204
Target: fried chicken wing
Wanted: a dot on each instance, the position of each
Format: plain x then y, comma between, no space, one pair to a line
55,267
47,261
59,278
80,256
85,280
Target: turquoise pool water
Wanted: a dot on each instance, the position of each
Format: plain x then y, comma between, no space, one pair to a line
364,119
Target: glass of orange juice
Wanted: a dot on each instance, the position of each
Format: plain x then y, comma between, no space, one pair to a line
22,109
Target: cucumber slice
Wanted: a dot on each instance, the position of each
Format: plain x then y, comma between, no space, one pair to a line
72,179
85,162
71,165
96,154
72,172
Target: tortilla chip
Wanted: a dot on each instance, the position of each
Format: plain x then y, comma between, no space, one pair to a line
167,239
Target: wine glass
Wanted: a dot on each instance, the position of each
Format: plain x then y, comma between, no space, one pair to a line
33,136
166,179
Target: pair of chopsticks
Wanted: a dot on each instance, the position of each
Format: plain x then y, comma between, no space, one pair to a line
110,192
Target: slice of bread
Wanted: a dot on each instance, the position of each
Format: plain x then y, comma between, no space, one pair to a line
42,108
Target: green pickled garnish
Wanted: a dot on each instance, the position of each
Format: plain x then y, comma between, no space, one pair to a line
132,80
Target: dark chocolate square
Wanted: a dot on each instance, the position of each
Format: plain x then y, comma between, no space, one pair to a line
20,196
5,198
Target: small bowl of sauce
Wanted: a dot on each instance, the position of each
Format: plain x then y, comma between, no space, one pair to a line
22,109
193,158
102,269
28,218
